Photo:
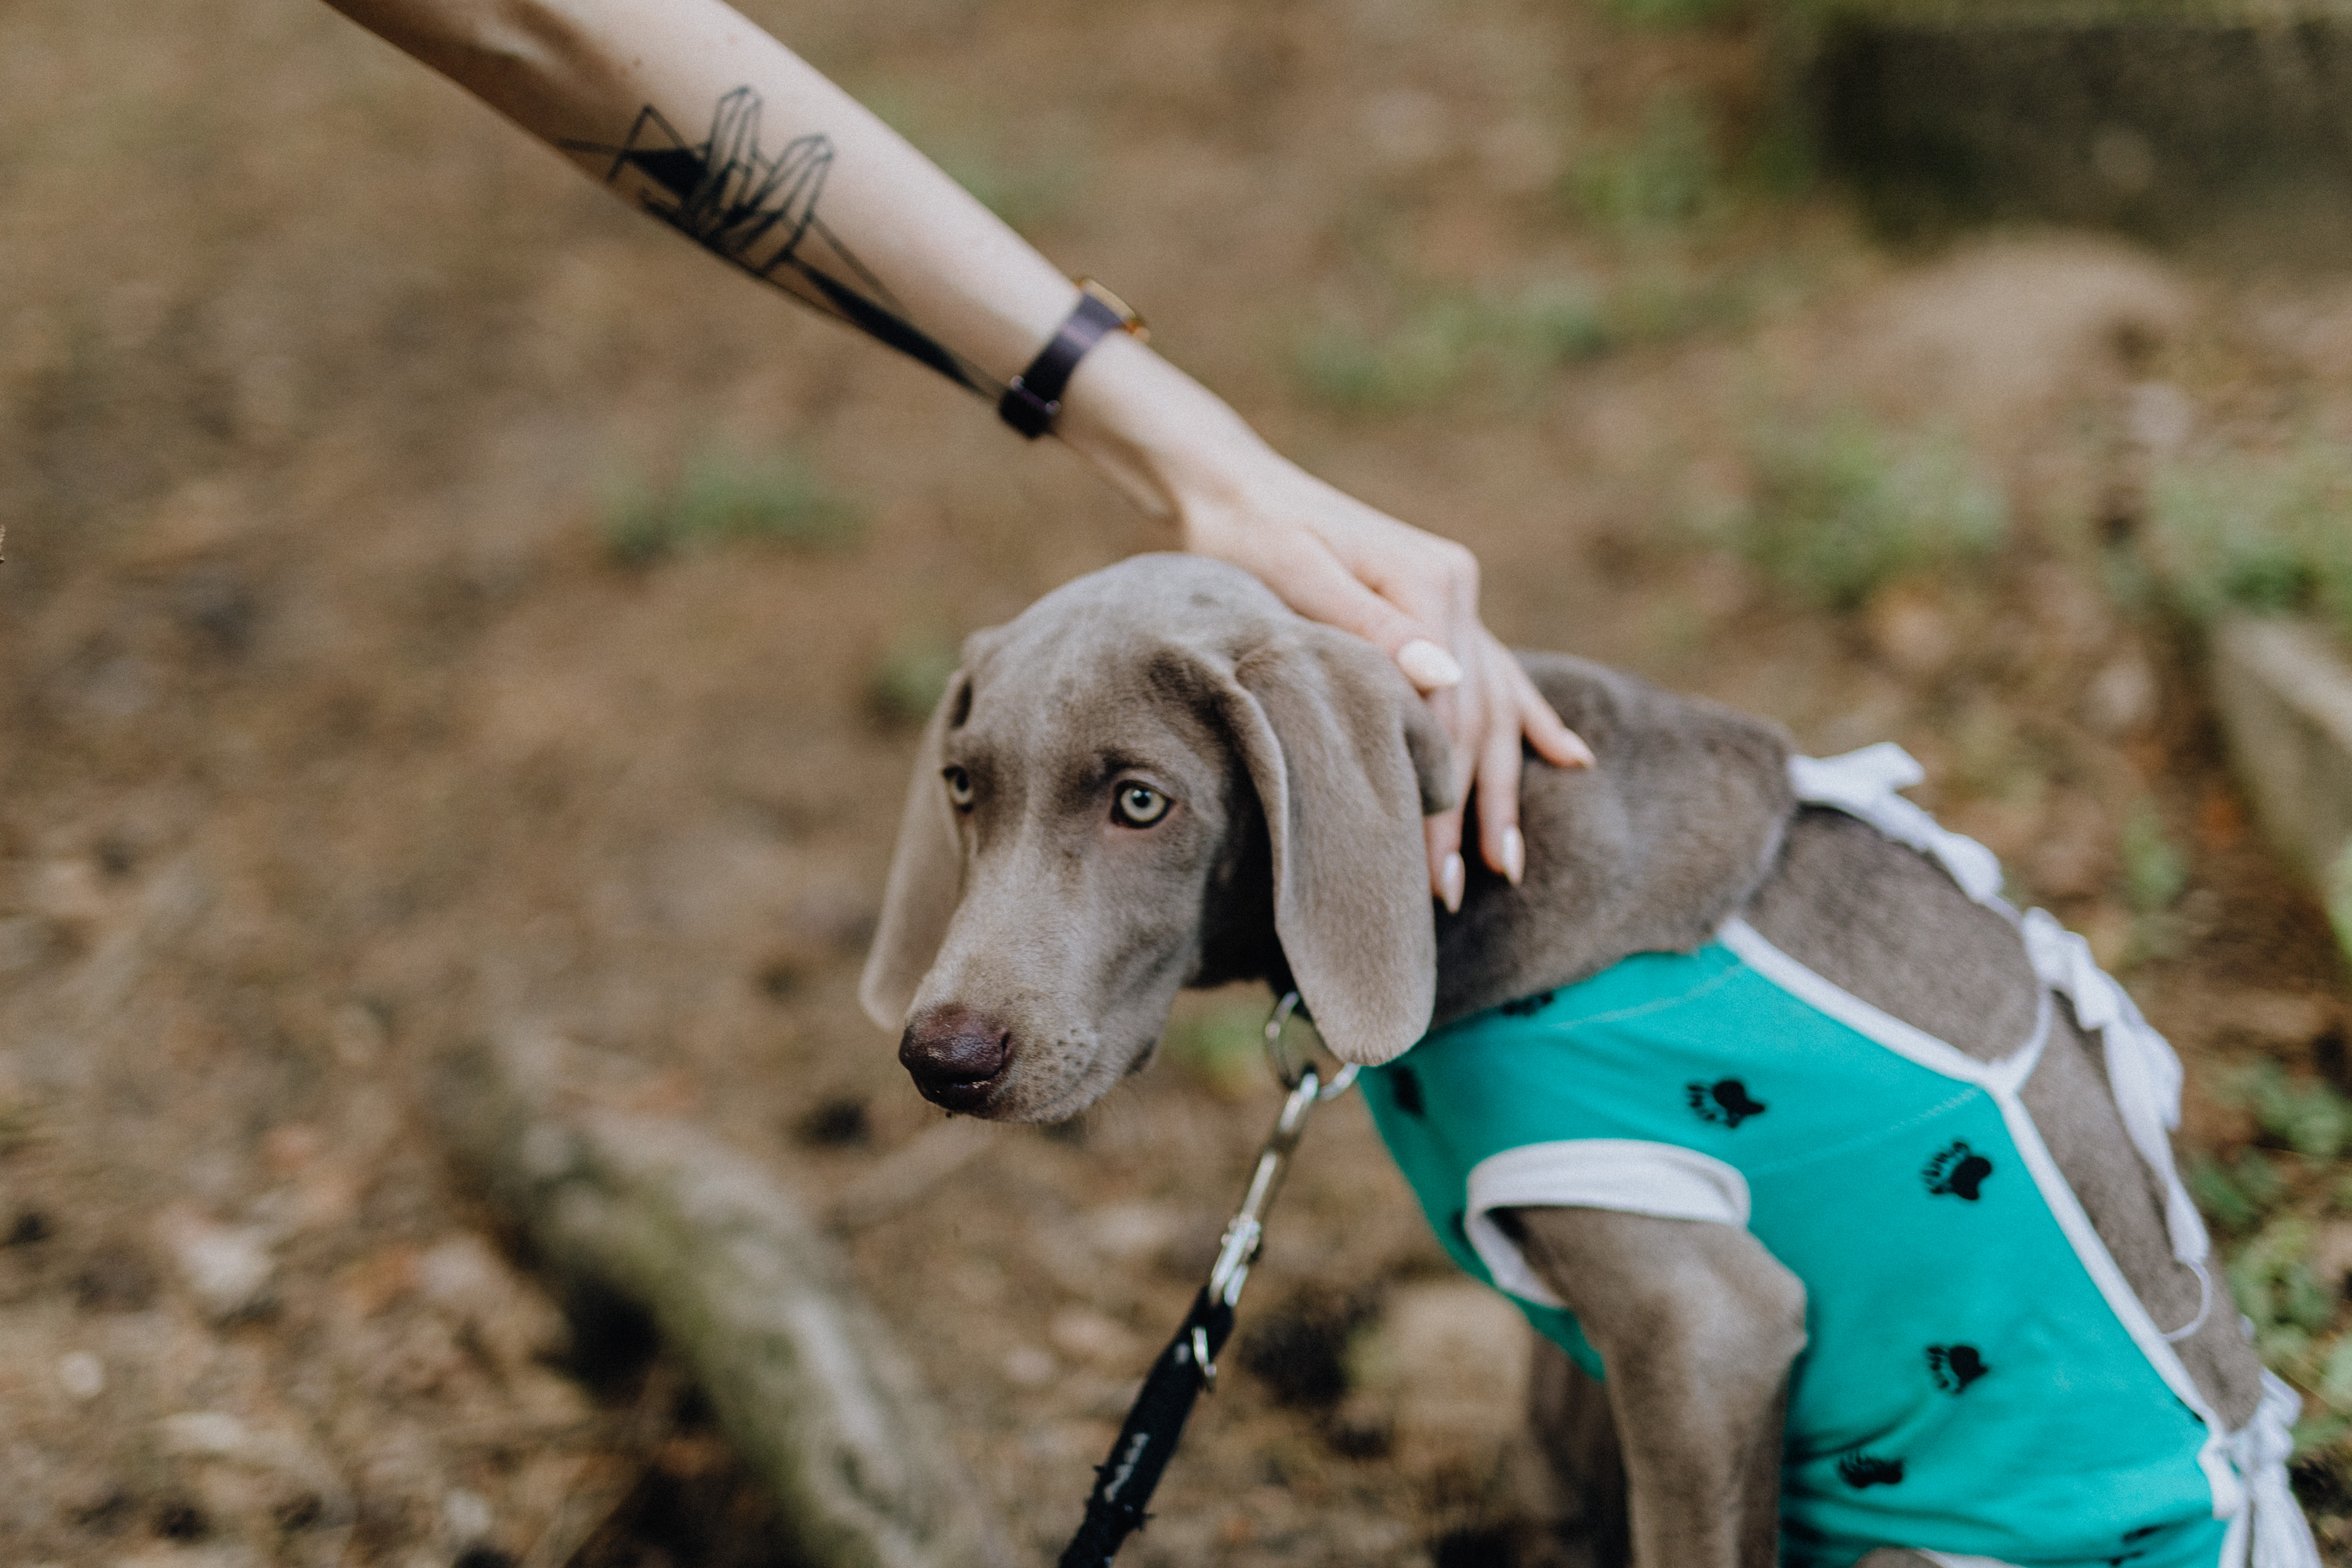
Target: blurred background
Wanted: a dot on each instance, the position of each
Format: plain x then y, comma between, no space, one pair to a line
436,597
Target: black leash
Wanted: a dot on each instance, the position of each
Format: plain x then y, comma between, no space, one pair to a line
1188,1367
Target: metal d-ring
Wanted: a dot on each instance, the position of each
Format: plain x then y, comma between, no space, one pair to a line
1290,1074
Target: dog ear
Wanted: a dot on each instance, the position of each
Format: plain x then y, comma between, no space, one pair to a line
926,876
1346,758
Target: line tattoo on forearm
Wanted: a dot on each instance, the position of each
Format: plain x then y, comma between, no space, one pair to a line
759,211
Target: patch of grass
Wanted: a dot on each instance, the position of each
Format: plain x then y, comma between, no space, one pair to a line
2273,1203
2262,535
721,496
1419,363
2309,1117
1839,511
2338,894
2271,1281
2235,1197
1455,338
913,671
1664,175
1223,1046
2156,870
1672,13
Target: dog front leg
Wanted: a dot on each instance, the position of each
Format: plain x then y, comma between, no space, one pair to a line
1697,1325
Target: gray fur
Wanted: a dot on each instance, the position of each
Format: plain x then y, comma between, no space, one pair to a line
1572,1496
1301,764
1697,1325
1648,852
1884,922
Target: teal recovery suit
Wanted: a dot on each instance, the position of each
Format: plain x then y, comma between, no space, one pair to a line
1980,1382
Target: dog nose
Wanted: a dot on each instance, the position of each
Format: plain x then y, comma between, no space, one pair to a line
954,1055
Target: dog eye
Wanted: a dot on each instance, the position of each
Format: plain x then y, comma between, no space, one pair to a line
959,787
1138,806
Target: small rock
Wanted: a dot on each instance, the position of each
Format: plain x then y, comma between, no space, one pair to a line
1087,1335
1124,1231
1028,1366
2160,418
464,1275
357,1035
289,1147
82,1376
1911,631
2122,697
466,1517
70,891
228,1271
204,1435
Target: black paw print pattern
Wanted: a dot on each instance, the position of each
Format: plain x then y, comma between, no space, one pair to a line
1957,1171
1406,1088
1954,1367
1527,1007
1724,1102
1862,1471
2135,1546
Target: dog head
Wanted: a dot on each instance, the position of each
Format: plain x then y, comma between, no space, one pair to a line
1157,777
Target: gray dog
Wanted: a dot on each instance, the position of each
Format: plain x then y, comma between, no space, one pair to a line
1842,1189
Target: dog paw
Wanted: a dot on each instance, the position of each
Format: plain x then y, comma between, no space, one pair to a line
1957,1172
1861,1471
1954,1367
1724,1102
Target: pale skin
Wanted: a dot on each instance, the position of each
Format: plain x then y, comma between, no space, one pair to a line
579,73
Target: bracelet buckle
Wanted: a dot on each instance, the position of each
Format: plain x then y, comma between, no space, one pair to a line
1034,400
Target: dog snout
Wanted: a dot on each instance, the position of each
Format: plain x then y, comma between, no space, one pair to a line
955,1056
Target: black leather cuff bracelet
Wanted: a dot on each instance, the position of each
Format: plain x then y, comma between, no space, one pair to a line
1034,398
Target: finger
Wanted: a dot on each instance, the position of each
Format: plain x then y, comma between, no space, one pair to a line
1497,799
1429,667
1462,714
1442,833
1554,742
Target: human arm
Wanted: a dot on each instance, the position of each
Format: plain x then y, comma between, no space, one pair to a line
700,118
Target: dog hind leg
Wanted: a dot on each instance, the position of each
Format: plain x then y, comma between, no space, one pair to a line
1570,1472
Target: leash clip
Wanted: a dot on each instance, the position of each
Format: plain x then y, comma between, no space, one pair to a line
1203,1359
1288,1073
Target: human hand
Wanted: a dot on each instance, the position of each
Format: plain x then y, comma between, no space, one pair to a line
1415,596
1183,454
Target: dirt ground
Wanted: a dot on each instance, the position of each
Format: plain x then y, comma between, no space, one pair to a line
334,731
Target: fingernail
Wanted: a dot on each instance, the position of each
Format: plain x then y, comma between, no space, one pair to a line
1429,667
1515,854
1449,883
1584,757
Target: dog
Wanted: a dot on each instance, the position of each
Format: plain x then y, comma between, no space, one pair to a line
1838,1190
